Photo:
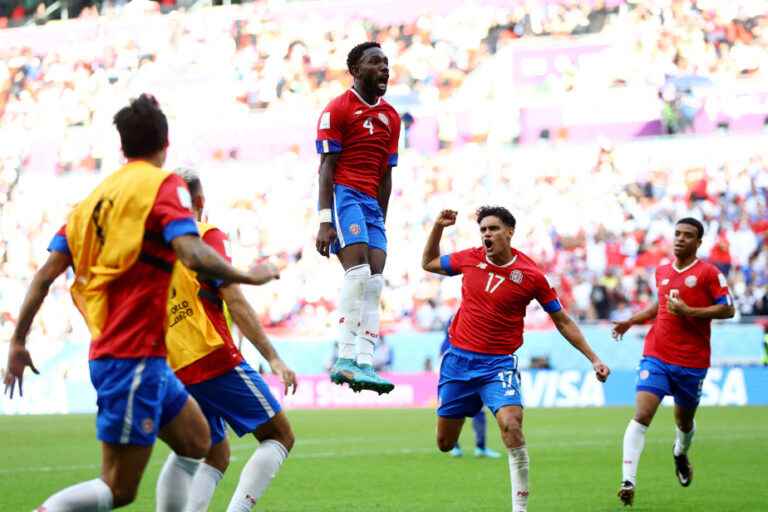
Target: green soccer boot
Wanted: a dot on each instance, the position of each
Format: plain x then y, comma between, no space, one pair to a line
344,370
366,378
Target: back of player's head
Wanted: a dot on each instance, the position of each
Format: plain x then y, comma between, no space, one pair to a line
142,126
192,178
695,223
356,53
502,213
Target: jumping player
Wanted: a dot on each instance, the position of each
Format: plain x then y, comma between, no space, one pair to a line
204,356
122,241
357,138
480,367
691,293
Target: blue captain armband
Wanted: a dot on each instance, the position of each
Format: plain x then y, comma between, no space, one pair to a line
552,306
445,265
327,146
59,244
180,227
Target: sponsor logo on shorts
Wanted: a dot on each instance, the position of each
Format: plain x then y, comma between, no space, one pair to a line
354,229
516,276
644,374
690,281
148,426
509,392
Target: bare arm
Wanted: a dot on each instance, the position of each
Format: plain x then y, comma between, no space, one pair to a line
385,190
326,233
714,312
573,334
200,257
430,258
649,313
248,322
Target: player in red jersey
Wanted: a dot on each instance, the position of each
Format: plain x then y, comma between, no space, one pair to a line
480,368
357,138
122,241
691,293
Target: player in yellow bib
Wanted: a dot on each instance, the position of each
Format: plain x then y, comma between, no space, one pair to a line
204,356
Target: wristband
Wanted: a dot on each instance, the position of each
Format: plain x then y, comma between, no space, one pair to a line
324,215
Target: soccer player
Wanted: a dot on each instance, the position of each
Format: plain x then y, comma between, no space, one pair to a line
122,241
357,138
479,422
676,353
480,367
204,356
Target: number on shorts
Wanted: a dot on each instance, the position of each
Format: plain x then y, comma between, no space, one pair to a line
506,377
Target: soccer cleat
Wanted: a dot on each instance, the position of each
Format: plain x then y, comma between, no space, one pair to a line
683,469
627,493
487,453
343,370
456,452
366,378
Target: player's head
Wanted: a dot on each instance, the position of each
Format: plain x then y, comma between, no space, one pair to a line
497,225
688,235
143,130
369,67
195,186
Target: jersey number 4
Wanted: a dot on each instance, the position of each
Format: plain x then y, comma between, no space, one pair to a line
368,124
491,286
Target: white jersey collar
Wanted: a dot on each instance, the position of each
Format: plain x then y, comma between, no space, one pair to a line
378,101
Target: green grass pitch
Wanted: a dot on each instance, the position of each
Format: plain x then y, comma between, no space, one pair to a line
386,460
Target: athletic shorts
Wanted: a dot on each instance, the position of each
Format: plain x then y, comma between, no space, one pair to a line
662,379
357,218
240,397
135,397
469,380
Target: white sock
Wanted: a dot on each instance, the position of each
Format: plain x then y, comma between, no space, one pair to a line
203,486
634,441
683,440
369,319
91,496
518,476
174,483
351,307
258,472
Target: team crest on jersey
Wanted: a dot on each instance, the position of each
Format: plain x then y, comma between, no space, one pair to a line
690,281
664,282
516,276
384,119
354,229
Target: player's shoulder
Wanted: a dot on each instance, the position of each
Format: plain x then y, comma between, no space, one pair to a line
526,261
708,269
341,101
664,269
387,106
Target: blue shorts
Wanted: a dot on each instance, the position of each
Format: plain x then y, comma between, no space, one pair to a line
240,397
662,379
136,398
469,380
357,218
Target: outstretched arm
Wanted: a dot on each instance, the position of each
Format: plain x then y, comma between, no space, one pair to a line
248,322
18,356
573,334
201,258
430,258
649,313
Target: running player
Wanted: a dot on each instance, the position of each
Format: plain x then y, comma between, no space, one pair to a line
122,241
204,356
357,137
691,293
480,368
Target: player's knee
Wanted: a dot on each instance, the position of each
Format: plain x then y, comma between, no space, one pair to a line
445,443
195,445
643,417
286,438
123,495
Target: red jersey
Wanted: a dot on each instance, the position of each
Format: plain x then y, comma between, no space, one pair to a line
494,299
684,340
223,359
366,136
135,324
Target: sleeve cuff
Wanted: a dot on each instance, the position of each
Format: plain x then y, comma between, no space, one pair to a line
725,299
180,227
445,264
327,146
552,306
59,244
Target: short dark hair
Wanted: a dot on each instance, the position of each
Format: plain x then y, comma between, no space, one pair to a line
695,223
143,127
356,53
497,211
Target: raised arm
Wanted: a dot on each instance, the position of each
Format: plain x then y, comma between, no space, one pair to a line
430,258
571,332
649,313
18,356
246,320
326,233
201,258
